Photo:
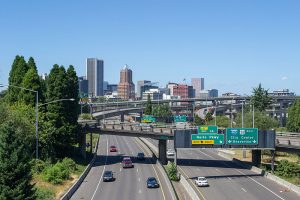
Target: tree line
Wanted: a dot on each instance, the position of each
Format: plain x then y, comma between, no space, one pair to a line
58,127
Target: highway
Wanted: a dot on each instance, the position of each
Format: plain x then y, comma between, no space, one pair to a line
130,183
227,180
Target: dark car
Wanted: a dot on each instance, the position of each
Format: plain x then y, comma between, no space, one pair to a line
108,176
141,156
113,148
152,183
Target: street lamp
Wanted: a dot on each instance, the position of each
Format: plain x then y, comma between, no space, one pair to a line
37,113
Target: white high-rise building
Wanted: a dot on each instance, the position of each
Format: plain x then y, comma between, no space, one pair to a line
198,85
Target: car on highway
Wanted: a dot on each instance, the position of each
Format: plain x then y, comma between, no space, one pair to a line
108,176
141,156
113,148
201,181
126,162
152,183
170,152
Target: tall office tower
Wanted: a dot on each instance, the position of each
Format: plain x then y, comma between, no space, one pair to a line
94,75
198,85
126,86
140,84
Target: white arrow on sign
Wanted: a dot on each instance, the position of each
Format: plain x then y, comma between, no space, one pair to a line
254,141
229,141
221,141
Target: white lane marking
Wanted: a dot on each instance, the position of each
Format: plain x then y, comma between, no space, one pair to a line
120,169
103,169
140,191
218,170
260,184
139,179
248,177
229,178
244,190
137,170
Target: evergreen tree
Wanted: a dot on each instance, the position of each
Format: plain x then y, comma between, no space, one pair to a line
148,110
31,81
73,106
15,166
31,64
293,123
57,134
16,74
260,98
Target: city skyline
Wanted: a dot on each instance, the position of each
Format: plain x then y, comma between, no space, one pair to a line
233,45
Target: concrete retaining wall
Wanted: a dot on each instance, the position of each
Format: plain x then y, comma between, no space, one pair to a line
76,185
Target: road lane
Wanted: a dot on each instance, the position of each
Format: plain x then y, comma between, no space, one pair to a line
129,183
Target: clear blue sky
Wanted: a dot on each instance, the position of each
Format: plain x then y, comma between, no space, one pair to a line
233,44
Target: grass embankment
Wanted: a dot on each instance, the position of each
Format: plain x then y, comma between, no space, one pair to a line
287,166
53,180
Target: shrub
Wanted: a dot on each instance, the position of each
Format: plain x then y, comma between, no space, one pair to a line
288,169
85,116
172,171
38,166
57,173
44,194
68,163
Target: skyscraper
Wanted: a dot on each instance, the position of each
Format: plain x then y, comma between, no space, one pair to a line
126,88
139,86
94,75
198,85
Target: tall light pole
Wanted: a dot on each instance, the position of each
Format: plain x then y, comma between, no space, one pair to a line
243,101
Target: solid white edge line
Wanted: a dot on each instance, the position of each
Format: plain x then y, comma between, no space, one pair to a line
102,171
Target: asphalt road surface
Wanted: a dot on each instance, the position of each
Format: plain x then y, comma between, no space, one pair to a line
226,179
130,183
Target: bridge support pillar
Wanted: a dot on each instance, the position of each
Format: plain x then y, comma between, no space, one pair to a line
122,117
162,151
82,144
256,157
273,160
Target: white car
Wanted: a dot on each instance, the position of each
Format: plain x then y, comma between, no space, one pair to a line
170,152
201,181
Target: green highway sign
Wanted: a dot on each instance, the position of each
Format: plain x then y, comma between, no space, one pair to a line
216,139
148,119
164,137
179,118
207,129
241,136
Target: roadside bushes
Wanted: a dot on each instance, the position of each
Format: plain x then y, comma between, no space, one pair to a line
172,171
288,169
56,173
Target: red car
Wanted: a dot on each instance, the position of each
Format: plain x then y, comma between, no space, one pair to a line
126,162
113,149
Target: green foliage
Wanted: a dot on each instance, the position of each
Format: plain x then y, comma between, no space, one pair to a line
15,167
208,117
31,81
198,121
18,69
44,194
288,169
162,110
222,121
86,116
261,121
148,110
293,123
60,171
260,98
38,166
172,171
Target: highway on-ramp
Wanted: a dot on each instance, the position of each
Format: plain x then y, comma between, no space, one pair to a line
130,183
